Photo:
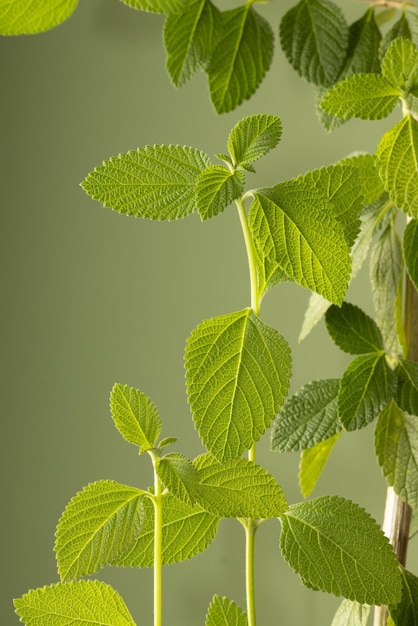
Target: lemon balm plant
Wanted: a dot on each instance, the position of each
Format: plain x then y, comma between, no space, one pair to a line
315,230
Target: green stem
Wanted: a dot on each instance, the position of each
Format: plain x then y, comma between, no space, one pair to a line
255,299
158,543
250,529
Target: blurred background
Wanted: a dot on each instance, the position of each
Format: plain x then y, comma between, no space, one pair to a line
91,297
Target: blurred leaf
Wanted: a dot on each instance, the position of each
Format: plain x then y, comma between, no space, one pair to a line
253,137
351,613
316,310
27,17
352,330
407,389
224,612
400,64
178,474
135,416
406,612
410,247
406,27
156,6
312,462
216,188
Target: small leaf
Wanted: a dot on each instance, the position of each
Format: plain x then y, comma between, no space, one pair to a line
135,416
240,59
26,17
224,612
407,389
335,546
166,442
396,444
410,247
367,385
312,462
179,476
97,524
157,182
156,6
352,330
308,417
216,188
400,65
81,602
351,613
253,137
405,613
237,372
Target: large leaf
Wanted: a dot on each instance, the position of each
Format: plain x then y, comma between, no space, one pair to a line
25,17
352,330
157,182
410,247
400,65
135,416
406,26
407,388
312,462
81,602
253,137
405,613
240,59
216,187
335,546
351,613
237,372
97,524
224,612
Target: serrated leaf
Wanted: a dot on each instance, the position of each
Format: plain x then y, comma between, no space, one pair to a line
317,307
351,613
410,248
97,524
238,488
81,602
352,330
26,17
406,27
216,187
135,416
400,65
156,6
157,182
396,445
363,45
397,163
367,385
314,37
224,612
405,613
308,417
371,185
237,373
407,388
189,38
312,463
186,531
253,137
335,546
241,58
178,474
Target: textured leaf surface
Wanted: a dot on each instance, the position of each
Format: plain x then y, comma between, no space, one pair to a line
400,64
308,417
407,389
216,188
135,416
317,307
26,17
240,59
97,524
352,330
224,612
406,26
237,373
371,185
406,612
253,137
410,247
312,463
179,476
335,546
351,613
157,182
156,6
80,603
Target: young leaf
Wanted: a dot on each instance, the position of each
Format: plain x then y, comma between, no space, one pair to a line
97,524
407,389
81,602
367,385
179,476
410,248
224,612
241,58
400,65
26,17
238,488
397,163
312,462
406,611
216,188
237,372
253,137
157,182
156,6
335,546
351,613
396,444
308,417
352,330
135,416
314,37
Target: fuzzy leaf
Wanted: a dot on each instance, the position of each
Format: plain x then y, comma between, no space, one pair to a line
26,17
135,416
312,462
253,137
352,330
400,65
351,613
410,247
224,612
407,389
406,612
179,476
156,6
81,602
371,185
335,546
157,182
237,372
241,58
216,188
97,524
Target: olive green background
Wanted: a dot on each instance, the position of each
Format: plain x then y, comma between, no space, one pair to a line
90,297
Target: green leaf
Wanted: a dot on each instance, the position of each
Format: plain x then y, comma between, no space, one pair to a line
187,531
314,37
156,6
240,59
352,330
216,187
397,163
410,247
396,444
316,310
312,462
26,17
238,488
224,612
351,613
400,65
253,137
366,387
237,373
406,27
407,389
179,476
97,524
405,613
81,602
335,546
363,45
189,38
371,185
308,417
166,442
157,182
135,416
